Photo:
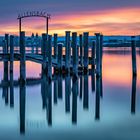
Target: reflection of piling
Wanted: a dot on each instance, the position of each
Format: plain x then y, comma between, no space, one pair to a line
44,52
86,94
74,101
60,94
55,90
60,57
75,54
49,103
22,58
81,49
133,96
68,51
97,99
134,65
22,107
67,92
49,57
98,53
86,61
11,90
93,54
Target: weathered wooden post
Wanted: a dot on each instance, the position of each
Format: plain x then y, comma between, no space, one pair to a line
11,71
86,61
7,42
5,72
55,47
11,52
60,45
98,58
68,51
75,54
44,53
81,49
49,57
93,54
101,51
22,58
134,64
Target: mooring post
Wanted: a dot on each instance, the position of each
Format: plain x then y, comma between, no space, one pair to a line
101,51
75,54
68,51
11,52
44,53
22,58
55,47
93,54
98,58
7,41
81,49
49,57
5,72
60,45
134,64
86,61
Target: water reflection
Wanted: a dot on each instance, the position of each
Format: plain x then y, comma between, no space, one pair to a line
133,96
65,89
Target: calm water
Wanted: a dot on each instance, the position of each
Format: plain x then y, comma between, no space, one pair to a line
66,109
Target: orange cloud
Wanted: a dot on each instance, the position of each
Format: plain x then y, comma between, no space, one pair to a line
110,22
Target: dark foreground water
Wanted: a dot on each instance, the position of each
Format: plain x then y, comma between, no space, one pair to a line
66,109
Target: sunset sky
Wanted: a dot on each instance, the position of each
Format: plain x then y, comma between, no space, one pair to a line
111,17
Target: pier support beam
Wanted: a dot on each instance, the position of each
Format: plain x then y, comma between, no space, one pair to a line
68,51
11,52
60,46
134,64
44,53
75,54
93,54
98,54
55,48
86,61
49,57
22,58
81,49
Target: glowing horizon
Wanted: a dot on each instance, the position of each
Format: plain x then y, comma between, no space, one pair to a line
120,21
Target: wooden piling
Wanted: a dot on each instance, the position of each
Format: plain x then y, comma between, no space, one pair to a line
93,54
68,51
81,49
134,64
75,53
98,58
49,57
86,61
55,47
60,45
101,51
7,42
44,52
11,52
22,58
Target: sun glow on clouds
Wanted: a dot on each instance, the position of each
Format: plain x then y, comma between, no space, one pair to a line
109,22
